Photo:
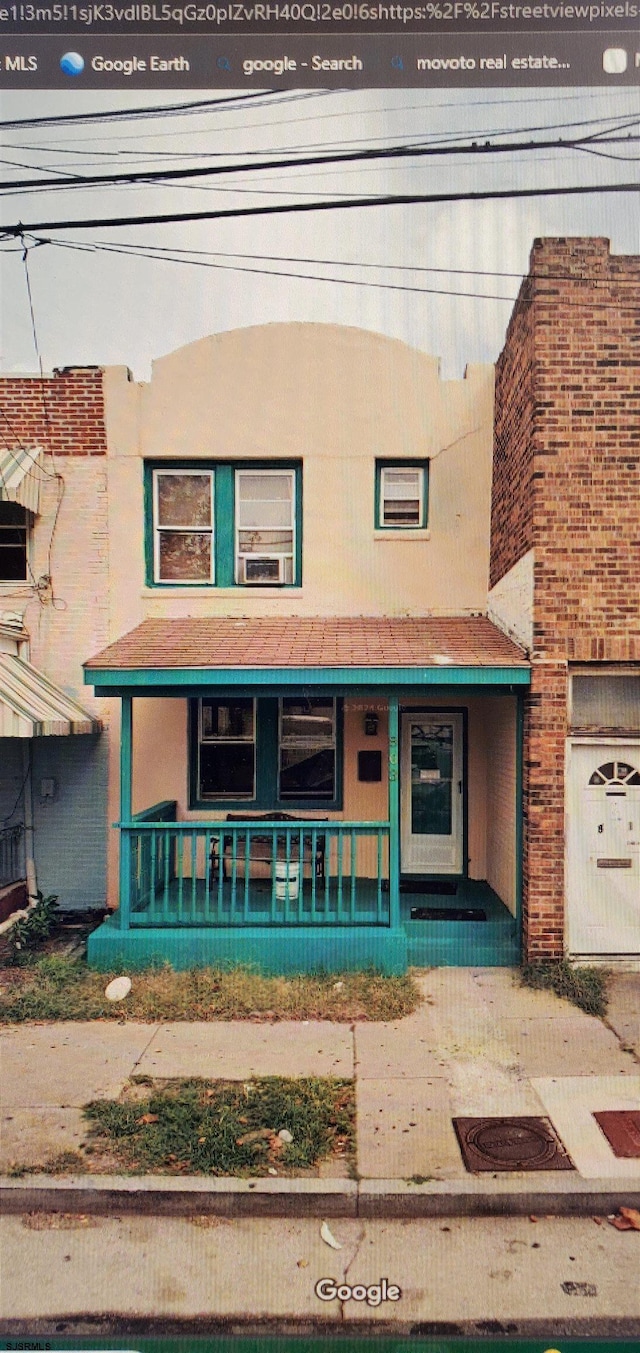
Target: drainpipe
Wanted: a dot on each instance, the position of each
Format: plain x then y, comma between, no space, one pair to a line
27,800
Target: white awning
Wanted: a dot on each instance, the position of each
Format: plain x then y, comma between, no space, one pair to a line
21,475
31,706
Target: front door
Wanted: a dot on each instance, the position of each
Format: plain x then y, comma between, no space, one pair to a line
431,797
603,863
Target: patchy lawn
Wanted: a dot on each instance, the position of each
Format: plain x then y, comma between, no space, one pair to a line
584,987
220,1128
63,988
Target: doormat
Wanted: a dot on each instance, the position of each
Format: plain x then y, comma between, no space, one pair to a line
439,887
510,1144
448,914
621,1128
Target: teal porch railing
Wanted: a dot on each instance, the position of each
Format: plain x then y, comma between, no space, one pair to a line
242,873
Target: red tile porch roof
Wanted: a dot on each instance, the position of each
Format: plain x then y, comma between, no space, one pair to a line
300,641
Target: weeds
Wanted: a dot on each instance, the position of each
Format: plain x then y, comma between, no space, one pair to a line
62,988
228,1128
32,929
584,987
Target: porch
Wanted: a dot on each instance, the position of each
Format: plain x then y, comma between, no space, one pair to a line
402,840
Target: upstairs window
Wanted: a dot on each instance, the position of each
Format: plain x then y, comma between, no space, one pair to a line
14,527
184,530
224,524
265,526
401,495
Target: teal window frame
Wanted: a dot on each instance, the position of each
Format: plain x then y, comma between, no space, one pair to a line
402,463
224,520
267,762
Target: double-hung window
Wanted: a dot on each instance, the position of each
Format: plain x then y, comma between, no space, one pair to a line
226,524
265,526
401,494
183,526
269,753
227,749
307,748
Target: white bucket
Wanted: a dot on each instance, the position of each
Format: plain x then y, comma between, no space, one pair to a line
287,880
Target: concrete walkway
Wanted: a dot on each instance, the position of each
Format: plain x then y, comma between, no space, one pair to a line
479,1045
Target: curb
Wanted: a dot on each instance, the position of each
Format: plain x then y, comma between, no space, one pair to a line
111,1195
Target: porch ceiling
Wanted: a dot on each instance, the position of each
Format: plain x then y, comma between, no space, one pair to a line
361,650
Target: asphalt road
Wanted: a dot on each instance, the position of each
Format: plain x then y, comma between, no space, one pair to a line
465,1276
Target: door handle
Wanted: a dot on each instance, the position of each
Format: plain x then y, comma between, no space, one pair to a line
459,786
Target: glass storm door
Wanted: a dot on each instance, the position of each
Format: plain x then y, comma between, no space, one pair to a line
431,794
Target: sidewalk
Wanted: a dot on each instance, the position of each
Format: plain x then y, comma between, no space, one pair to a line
480,1045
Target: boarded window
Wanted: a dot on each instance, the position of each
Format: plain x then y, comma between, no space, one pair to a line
606,701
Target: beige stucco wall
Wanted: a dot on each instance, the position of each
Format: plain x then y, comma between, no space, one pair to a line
335,398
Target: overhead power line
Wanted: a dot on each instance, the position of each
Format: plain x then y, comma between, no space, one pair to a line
131,251
390,200
131,114
400,152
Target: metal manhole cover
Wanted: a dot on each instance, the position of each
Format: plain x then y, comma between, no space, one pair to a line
510,1144
621,1128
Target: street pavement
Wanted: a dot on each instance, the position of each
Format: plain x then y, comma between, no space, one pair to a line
479,1045
499,1275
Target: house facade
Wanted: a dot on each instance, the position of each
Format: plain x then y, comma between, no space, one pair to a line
364,644
313,700
565,581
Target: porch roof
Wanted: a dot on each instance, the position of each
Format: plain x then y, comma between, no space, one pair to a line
367,650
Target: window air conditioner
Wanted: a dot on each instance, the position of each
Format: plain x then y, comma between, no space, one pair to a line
263,569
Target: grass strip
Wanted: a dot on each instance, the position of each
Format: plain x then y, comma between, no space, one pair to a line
227,1127
585,987
62,988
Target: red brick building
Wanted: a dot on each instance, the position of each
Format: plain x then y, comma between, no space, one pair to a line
565,581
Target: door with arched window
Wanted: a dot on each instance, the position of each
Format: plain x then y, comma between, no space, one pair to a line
603,840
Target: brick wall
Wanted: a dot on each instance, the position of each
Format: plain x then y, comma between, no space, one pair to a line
567,485
63,413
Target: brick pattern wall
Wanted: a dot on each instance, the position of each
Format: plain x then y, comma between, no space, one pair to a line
567,484
64,413
513,443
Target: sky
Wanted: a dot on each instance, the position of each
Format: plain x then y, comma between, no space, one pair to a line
95,307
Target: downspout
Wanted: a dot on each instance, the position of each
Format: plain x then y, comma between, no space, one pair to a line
27,800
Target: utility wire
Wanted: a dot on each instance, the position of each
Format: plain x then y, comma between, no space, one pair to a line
153,110
281,209
342,281
400,152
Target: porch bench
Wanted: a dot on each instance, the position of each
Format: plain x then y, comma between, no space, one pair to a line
261,847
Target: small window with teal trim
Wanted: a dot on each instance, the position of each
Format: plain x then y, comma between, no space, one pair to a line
401,494
228,524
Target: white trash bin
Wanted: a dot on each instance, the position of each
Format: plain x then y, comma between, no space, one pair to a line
287,880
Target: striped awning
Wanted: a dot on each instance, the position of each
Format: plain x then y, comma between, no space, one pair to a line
21,475
31,706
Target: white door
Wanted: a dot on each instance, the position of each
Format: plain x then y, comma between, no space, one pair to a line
431,798
603,838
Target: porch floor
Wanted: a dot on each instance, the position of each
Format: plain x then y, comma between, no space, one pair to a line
430,942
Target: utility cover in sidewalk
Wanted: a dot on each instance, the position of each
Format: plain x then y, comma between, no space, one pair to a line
510,1144
621,1128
